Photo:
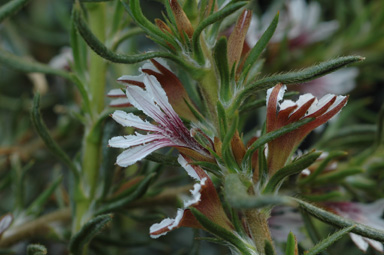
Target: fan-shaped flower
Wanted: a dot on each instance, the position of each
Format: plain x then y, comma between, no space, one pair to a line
286,112
169,131
172,86
299,23
204,198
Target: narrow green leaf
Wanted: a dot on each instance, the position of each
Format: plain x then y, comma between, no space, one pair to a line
304,75
106,53
230,133
269,137
294,168
36,249
220,55
128,34
107,169
312,230
37,205
227,10
87,232
29,66
222,116
332,155
134,9
261,44
291,248
221,232
341,222
330,196
253,105
42,130
138,192
325,243
208,166
163,159
226,148
10,8
338,176
191,10
237,196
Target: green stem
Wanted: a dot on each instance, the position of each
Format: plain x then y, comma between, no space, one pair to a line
86,191
97,65
258,225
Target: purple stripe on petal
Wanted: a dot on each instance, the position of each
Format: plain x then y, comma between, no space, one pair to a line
141,100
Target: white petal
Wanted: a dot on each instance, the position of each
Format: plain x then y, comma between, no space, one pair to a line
312,16
131,120
134,154
119,102
306,172
374,210
196,195
375,244
359,241
167,223
5,222
116,93
137,78
318,105
303,99
190,171
280,95
149,65
337,102
323,31
132,140
340,82
159,96
286,103
140,99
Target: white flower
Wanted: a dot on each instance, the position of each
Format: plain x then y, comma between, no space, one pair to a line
299,22
204,199
339,82
169,131
367,214
281,113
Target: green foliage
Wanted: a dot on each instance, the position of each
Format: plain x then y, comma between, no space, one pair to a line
36,249
325,243
11,8
295,167
291,248
42,130
87,233
224,136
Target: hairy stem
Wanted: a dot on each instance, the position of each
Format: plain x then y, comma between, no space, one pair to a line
258,225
